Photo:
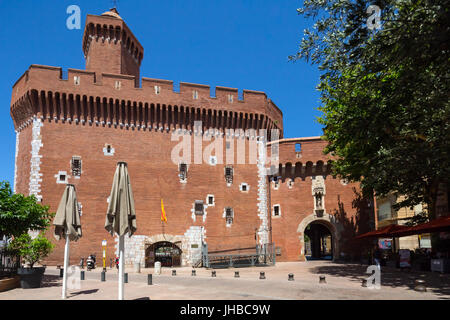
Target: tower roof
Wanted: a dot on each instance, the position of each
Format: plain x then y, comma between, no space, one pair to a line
112,13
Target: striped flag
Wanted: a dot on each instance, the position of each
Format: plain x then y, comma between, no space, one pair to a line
163,212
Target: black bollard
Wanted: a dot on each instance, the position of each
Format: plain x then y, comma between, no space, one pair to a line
193,273
322,279
125,277
236,274
262,275
213,274
364,283
149,280
174,272
290,277
61,272
103,277
82,275
420,286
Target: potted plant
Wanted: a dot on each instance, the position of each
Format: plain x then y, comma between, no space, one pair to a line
31,251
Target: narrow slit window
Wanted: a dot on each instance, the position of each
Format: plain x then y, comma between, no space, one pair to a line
195,94
118,85
157,89
276,210
229,215
230,98
210,200
183,171
76,80
76,166
229,174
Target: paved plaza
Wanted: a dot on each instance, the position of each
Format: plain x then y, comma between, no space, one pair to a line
343,282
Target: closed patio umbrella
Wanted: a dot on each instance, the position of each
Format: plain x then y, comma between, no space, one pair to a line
121,215
67,225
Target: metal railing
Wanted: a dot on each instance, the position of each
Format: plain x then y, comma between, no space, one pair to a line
254,257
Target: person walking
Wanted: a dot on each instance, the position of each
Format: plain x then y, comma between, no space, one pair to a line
377,256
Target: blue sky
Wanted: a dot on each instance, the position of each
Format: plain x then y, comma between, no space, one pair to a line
242,44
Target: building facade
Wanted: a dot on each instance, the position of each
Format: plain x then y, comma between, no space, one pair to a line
211,160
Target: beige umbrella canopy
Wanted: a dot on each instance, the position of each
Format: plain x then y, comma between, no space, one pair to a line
67,220
121,216
67,226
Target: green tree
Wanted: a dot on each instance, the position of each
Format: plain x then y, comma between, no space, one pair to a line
384,93
19,213
31,250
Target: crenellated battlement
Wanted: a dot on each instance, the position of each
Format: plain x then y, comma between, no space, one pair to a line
171,108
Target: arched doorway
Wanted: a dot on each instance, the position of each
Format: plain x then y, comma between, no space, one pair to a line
168,253
318,240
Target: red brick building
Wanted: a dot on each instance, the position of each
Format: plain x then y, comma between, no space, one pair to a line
75,129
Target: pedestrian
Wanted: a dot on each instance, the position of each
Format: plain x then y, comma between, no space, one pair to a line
377,256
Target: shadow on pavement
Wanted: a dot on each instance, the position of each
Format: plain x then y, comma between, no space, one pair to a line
436,283
51,281
143,298
84,292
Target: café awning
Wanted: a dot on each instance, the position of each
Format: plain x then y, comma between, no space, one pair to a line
383,232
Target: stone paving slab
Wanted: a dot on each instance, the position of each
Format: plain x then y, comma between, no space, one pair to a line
343,282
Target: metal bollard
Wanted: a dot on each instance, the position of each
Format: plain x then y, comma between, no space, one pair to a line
213,274
193,273
364,283
103,278
262,275
125,277
290,277
174,272
61,272
322,279
81,275
236,274
149,280
420,286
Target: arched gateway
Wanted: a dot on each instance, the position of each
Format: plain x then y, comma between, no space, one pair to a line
323,233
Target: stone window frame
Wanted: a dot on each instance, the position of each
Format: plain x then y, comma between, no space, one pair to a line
111,151
118,85
247,186
276,182
213,200
290,183
196,210
279,210
76,172
195,94
229,175
157,89
183,178
212,160
229,219
58,177
76,80
230,98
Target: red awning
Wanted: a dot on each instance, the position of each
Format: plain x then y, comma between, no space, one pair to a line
383,232
437,225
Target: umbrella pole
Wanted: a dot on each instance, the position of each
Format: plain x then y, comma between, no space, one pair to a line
66,266
121,266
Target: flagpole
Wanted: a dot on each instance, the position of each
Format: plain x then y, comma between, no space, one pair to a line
121,266
66,266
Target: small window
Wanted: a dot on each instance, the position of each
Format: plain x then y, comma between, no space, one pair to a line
230,98
62,177
76,166
298,147
213,160
118,85
76,80
276,210
157,89
108,150
195,94
229,215
244,187
210,200
183,171
199,208
290,183
229,174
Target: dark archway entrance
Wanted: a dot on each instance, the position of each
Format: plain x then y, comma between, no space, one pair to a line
168,253
318,242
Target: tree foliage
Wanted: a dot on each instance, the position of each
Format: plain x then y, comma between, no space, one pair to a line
31,250
19,213
384,93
